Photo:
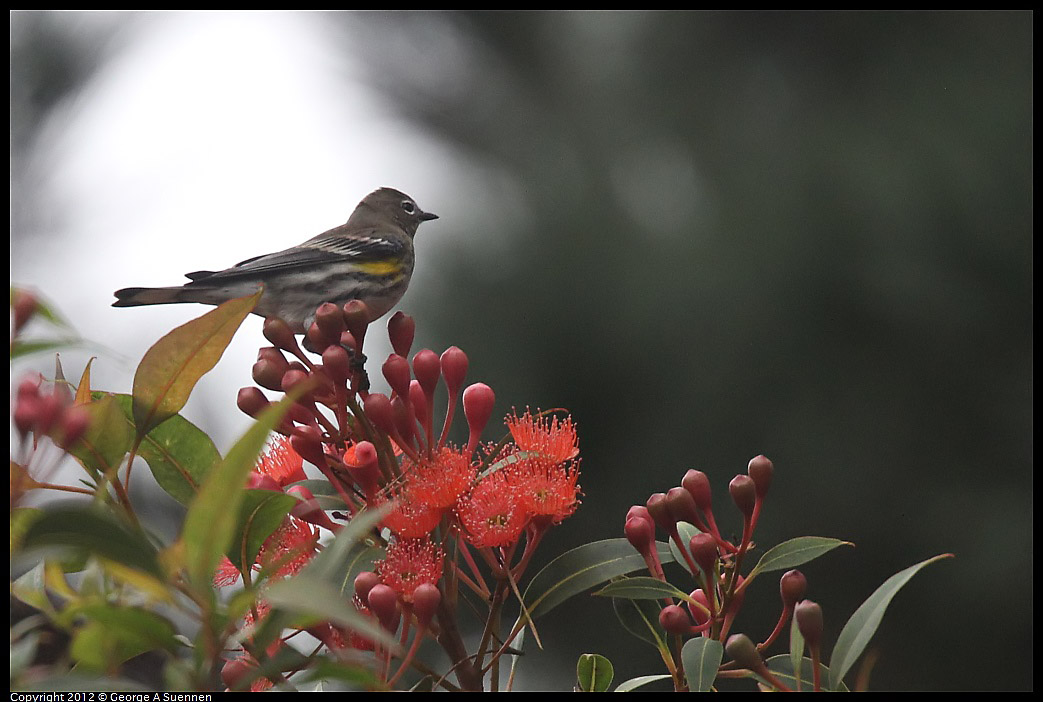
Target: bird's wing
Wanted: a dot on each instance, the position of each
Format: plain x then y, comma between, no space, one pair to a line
362,247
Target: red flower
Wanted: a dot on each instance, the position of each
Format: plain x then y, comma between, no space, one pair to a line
409,564
490,514
438,481
551,437
546,491
412,520
281,463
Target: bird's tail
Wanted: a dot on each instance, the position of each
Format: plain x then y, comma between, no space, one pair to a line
133,297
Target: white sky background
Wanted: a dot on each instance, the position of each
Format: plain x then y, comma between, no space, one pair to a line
213,137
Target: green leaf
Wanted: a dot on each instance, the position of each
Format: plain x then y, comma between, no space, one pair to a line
796,644
781,667
260,514
634,683
701,658
211,519
171,368
107,439
685,531
641,588
594,673
582,568
329,564
795,552
322,590
114,634
179,454
641,618
860,628
314,597
85,528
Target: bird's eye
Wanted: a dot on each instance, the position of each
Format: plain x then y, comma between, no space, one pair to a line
408,206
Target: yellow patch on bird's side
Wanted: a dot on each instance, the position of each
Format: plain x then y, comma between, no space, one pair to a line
379,267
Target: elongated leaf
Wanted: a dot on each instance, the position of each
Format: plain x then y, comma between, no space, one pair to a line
701,658
99,533
641,588
113,635
796,645
582,568
83,390
594,673
781,667
321,599
634,683
172,367
641,618
179,454
863,623
211,520
795,552
686,531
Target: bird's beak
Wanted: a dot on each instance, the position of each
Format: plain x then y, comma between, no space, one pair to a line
427,216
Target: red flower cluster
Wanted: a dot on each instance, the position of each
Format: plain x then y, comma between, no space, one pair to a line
387,451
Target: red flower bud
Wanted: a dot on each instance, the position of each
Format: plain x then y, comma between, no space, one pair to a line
660,513
26,413
24,305
792,586
427,370
454,368
74,425
809,621
478,407
401,328
336,363
279,333
674,619
364,582
419,403
744,652
49,413
330,320
269,375
682,507
699,615
760,470
307,442
357,317
292,378
251,401
704,551
378,409
640,533
396,372
426,599
383,602
365,471
310,511
744,494
640,512
698,486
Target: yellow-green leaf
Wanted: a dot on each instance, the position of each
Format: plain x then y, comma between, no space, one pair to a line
172,367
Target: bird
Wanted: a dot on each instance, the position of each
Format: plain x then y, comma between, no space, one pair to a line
368,258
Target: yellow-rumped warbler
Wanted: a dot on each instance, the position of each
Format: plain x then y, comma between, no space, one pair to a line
369,258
